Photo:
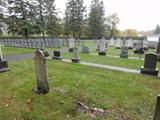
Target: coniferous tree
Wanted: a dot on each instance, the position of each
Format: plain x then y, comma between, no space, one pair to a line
2,19
157,30
96,27
21,17
52,20
74,15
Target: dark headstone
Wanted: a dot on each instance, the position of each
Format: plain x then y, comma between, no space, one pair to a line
150,63
158,50
157,109
139,51
57,55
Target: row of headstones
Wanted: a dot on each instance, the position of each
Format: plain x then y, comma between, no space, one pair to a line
39,43
129,43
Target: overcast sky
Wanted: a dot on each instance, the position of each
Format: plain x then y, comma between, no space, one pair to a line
135,14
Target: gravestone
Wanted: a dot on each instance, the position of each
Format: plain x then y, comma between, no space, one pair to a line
41,72
158,50
157,109
3,63
150,63
118,43
57,55
124,52
102,47
138,48
85,50
145,44
71,44
112,42
75,57
130,44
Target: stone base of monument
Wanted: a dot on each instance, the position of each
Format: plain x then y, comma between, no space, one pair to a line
145,48
102,53
117,47
138,52
57,58
149,71
70,49
123,56
3,66
75,60
158,58
130,48
40,91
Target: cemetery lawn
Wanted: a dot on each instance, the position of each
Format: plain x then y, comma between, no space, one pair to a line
121,62
15,50
122,95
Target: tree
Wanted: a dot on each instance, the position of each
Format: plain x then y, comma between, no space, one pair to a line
52,21
157,30
2,8
74,15
111,22
130,33
21,17
96,20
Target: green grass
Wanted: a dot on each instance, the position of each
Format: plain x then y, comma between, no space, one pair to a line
122,62
127,95
15,50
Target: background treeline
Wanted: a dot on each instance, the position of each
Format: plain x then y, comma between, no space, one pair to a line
40,17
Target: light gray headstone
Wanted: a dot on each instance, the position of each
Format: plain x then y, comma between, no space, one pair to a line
71,42
85,49
41,72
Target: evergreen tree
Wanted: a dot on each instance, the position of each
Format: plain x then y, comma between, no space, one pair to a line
74,15
21,17
157,30
96,27
2,19
52,21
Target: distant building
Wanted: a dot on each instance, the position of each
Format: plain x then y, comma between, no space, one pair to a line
153,37
153,40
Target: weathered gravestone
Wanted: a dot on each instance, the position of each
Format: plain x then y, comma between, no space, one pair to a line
85,49
158,50
124,52
75,57
102,47
71,44
3,63
150,63
41,72
157,109
138,48
57,55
